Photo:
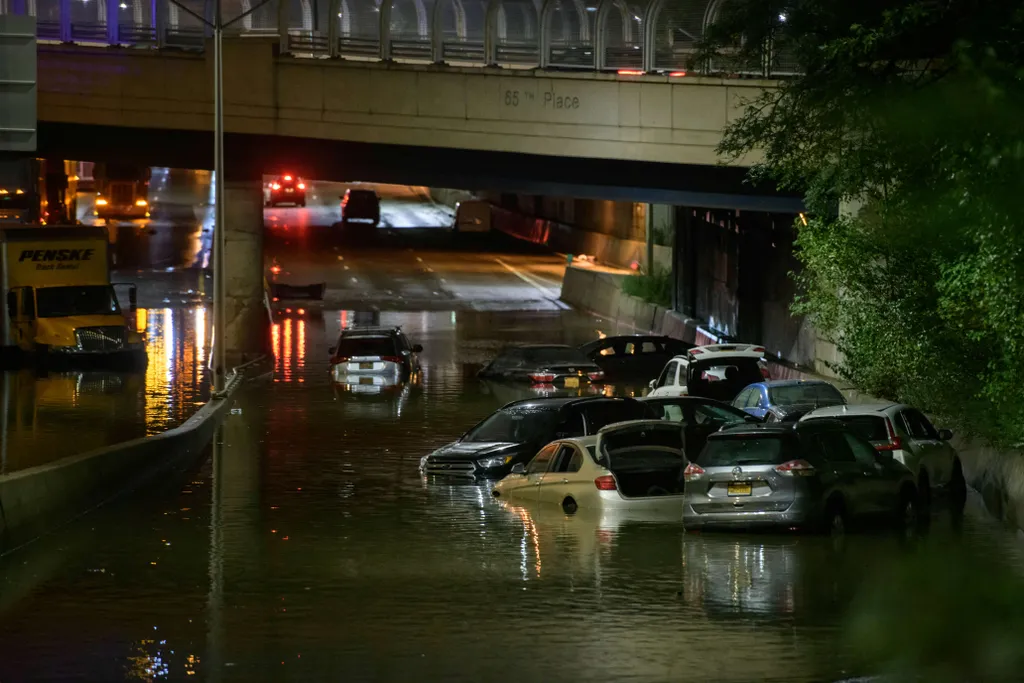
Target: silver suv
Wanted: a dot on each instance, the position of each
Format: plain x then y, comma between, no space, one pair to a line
818,474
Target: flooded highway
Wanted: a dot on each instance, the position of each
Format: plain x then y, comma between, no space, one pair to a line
306,546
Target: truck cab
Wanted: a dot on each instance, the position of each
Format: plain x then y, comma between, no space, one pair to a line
60,304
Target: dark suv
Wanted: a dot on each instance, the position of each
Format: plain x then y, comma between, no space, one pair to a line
360,205
515,432
287,189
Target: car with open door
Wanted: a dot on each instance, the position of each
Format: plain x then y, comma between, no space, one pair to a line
628,465
514,433
633,356
716,371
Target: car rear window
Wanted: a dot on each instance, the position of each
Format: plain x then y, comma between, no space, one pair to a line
366,346
555,354
738,451
794,394
871,427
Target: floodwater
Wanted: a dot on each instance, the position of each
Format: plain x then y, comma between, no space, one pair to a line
307,547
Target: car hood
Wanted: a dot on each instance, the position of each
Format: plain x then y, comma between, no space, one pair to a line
471,450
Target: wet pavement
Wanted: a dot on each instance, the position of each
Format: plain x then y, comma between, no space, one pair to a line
306,546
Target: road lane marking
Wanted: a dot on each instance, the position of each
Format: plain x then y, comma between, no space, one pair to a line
535,283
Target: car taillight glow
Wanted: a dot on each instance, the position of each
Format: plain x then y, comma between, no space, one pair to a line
801,467
758,349
696,352
895,443
765,373
692,471
542,377
596,376
605,483
275,186
302,186
287,178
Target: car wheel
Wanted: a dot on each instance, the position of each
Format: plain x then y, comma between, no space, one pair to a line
908,514
569,506
957,487
835,522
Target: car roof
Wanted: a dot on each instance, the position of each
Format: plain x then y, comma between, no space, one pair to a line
856,409
370,331
713,351
357,191
556,402
677,399
754,429
793,382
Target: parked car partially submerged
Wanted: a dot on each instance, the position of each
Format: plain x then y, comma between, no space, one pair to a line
815,474
373,357
634,355
543,365
717,371
787,400
629,465
699,417
514,433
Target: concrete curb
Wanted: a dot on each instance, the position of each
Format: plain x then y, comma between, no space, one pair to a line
36,500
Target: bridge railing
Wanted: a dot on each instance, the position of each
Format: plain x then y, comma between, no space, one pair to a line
634,36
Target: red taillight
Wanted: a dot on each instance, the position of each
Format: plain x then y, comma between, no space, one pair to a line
765,373
605,483
630,72
895,443
792,467
696,352
692,471
302,186
758,349
301,311
542,377
275,186
288,178
677,74
596,376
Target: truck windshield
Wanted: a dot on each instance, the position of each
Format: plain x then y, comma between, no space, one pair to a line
62,302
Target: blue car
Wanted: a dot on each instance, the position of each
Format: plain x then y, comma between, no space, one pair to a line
786,400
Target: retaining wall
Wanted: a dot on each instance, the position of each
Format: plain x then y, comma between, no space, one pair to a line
35,500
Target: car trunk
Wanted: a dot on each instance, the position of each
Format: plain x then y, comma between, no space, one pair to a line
646,459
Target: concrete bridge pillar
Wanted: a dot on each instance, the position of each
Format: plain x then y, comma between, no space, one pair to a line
247,323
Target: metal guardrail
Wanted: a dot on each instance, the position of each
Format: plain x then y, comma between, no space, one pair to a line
656,36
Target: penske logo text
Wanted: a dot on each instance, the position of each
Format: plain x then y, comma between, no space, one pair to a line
50,255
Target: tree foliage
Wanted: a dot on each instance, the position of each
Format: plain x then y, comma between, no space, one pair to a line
913,113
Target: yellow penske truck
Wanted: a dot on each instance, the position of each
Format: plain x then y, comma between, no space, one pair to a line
60,306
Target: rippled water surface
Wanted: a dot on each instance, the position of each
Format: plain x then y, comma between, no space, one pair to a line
307,547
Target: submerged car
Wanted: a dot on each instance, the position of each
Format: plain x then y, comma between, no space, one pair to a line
786,400
546,365
373,356
286,189
817,475
698,417
360,206
514,433
910,437
716,371
629,465
636,355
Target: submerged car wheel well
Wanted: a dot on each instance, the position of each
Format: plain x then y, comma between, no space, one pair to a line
569,505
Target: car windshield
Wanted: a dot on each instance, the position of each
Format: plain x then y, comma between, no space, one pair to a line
818,393
736,451
61,302
554,354
871,427
366,346
514,425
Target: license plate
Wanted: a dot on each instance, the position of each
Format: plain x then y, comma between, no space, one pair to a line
738,488
572,382
366,380
366,366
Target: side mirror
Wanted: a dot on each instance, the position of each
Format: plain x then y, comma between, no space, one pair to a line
518,468
332,350
417,348
653,384
945,434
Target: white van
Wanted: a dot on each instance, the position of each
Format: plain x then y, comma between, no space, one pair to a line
472,216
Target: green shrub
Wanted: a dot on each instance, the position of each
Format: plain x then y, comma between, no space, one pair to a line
654,287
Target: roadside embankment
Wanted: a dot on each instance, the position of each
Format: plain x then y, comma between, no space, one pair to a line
38,499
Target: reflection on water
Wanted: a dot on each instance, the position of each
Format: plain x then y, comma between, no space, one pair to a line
44,417
313,550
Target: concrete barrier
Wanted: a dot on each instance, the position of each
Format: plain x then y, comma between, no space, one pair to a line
38,499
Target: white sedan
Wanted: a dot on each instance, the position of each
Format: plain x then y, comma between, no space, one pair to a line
636,465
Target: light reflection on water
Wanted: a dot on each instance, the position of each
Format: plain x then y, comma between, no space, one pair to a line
331,558
57,414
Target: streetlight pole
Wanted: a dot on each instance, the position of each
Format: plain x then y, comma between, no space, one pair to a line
219,350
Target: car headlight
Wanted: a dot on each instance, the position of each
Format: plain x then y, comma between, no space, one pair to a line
423,462
496,461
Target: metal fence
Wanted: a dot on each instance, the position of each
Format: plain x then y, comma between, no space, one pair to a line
638,36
